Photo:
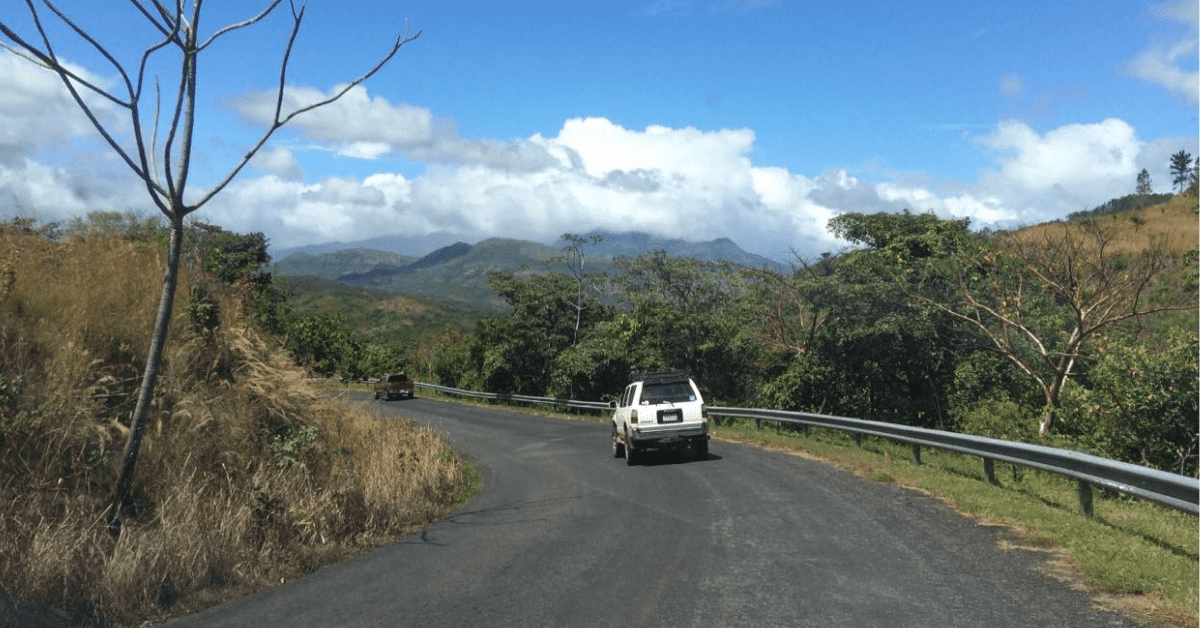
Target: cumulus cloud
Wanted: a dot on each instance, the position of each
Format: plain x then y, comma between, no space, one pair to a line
37,112
355,117
1172,64
596,175
593,174
360,126
1070,158
1038,176
686,183
279,161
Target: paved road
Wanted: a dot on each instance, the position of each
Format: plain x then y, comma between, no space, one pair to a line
565,535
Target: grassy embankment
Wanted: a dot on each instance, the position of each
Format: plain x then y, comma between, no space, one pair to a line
248,474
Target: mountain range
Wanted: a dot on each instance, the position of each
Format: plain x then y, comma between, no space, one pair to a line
459,271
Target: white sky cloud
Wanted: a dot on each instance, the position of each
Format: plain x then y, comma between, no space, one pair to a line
1172,64
1071,158
596,174
593,174
37,112
279,161
702,185
355,118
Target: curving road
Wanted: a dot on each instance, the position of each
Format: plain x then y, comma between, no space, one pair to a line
565,535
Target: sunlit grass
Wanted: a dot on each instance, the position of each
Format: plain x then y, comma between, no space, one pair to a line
248,475
1173,225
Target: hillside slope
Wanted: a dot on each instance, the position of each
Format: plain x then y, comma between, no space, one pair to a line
248,474
338,263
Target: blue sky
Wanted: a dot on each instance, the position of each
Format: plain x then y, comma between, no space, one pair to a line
754,120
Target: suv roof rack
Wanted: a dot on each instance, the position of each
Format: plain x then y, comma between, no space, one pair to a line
659,377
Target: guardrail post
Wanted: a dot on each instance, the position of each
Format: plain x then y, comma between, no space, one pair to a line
804,430
857,440
1085,498
989,470
916,451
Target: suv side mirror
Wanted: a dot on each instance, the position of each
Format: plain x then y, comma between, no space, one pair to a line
612,404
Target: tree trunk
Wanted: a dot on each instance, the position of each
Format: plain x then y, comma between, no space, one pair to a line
1045,422
122,499
1061,373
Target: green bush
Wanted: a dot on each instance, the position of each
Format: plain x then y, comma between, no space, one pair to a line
1138,404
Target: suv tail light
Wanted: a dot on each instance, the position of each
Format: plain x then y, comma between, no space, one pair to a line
704,412
633,416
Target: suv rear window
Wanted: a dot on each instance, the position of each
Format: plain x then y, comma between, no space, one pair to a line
397,378
672,392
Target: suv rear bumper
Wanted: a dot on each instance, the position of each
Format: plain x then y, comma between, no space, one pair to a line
666,435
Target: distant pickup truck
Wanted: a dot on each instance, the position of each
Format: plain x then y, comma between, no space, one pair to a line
394,386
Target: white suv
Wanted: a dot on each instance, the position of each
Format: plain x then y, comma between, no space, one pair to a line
659,411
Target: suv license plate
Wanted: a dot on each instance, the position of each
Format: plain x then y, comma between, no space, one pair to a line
671,416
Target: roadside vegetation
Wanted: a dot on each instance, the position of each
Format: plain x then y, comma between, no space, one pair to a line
249,474
1079,334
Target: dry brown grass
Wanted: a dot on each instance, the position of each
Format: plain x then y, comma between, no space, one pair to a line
247,475
1174,226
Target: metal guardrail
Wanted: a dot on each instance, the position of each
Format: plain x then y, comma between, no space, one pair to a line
1169,489
571,403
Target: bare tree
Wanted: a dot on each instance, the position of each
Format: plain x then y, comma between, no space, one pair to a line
1039,296
576,258
163,168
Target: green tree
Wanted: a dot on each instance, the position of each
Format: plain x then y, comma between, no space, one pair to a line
173,29
454,362
1037,298
1194,179
1138,402
684,313
1143,183
595,369
324,344
380,356
272,307
233,257
112,223
1181,169
515,352
889,357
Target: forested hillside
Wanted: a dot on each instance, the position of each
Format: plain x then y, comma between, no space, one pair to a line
1080,334
457,273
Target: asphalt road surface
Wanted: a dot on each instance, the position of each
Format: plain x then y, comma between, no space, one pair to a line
563,534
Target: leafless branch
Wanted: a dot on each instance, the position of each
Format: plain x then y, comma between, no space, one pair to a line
279,122
240,25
